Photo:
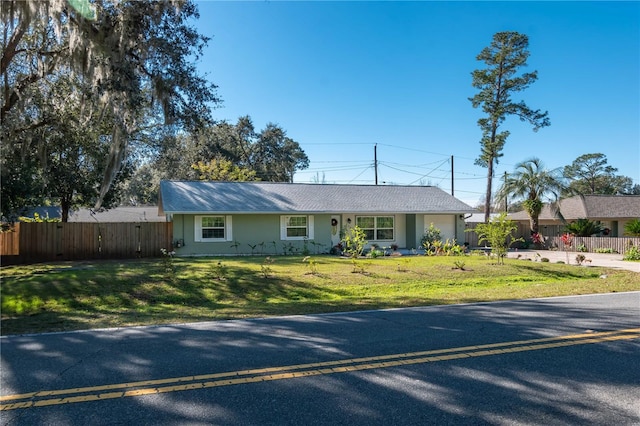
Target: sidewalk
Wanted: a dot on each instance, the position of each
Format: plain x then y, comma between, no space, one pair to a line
591,259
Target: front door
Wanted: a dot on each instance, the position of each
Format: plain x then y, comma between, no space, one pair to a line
335,230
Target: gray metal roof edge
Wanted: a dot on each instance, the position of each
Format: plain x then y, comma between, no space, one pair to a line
260,182
317,212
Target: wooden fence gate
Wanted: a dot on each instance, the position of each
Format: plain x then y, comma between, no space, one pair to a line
40,242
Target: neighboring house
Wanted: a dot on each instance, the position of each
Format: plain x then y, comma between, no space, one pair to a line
118,214
613,212
268,217
45,212
470,222
475,218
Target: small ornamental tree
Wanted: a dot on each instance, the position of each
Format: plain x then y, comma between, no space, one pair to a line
497,233
353,241
567,241
431,236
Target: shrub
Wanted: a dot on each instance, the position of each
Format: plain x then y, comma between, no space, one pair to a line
497,232
313,265
39,219
359,266
633,253
452,248
605,250
584,228
430,239
459,264
219,271
403,265
168,267
545,259
266,267
353,241
374,253
632,228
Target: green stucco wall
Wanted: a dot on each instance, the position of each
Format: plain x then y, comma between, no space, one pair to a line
260,234
260,231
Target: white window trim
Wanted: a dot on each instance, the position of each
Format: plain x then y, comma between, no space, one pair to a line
375,225
283,228
228,236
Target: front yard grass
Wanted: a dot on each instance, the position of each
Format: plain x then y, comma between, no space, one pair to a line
85,295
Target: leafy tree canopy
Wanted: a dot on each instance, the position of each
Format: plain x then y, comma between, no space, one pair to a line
223,170
590,174
135,60
531,183
632,228
238,152
498,233
584,228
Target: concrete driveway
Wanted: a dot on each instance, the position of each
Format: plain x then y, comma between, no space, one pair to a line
591,259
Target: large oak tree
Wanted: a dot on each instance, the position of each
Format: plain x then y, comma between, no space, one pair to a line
135,60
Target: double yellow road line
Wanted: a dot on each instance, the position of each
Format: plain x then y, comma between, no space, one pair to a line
148,387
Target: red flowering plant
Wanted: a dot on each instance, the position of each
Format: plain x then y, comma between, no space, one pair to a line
537,239
567,240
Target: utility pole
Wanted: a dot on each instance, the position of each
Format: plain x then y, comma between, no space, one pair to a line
375,161
452,177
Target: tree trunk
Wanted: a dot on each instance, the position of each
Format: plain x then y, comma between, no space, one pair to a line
534,224
65,206
487,203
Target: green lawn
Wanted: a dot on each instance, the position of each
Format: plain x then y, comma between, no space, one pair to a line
85,295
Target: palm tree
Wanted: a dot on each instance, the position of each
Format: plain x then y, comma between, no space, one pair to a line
533,183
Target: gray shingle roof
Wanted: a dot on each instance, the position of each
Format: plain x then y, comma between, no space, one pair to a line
272,197
593,207
118,214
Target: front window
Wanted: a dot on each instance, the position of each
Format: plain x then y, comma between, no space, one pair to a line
212,228
376,228
297,227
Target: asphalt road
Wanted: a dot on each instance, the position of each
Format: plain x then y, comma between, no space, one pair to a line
562,361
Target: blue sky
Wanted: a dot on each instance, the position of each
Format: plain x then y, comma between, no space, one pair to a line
341,77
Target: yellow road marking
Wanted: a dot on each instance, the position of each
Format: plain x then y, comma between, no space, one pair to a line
148,387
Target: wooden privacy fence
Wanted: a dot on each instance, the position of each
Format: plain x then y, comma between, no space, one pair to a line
38,242
591,244
471,238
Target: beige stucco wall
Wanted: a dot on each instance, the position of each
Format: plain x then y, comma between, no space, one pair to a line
554,227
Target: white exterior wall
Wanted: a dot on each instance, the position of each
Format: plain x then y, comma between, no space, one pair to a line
446,223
